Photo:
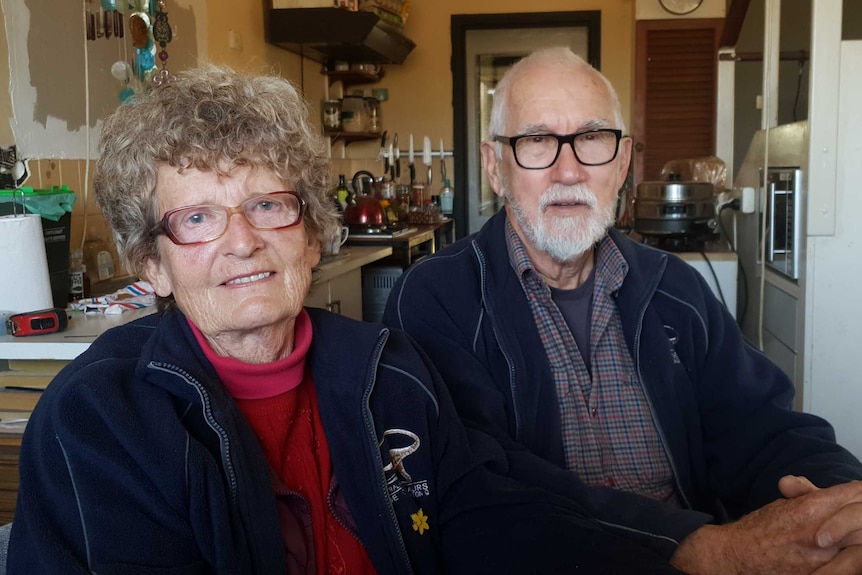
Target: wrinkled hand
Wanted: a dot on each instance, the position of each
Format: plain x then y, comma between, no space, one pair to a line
812,531
843,527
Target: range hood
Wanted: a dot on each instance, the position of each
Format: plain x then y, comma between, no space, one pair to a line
329,34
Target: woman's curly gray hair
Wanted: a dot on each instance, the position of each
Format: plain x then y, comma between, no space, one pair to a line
208,118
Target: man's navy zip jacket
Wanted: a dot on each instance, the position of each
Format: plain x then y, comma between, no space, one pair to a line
721,407
136,460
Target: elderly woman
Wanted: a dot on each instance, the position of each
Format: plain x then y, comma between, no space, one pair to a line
235,431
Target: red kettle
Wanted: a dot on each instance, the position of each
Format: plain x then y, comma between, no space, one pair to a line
363,209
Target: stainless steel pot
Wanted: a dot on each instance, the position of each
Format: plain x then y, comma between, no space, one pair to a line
675,208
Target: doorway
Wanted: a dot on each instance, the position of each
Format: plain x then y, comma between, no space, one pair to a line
484,46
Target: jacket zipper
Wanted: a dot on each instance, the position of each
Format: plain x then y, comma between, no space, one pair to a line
332,511
224,442
369,428
512,379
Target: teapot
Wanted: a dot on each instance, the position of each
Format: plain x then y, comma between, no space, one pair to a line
363,209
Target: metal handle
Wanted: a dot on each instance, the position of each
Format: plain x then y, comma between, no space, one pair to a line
770,237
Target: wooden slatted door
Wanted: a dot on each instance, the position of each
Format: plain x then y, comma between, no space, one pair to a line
675,92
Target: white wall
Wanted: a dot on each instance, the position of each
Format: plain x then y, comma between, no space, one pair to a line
61,84
835,387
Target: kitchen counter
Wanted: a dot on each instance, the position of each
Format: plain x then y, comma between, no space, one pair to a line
421,240
348,259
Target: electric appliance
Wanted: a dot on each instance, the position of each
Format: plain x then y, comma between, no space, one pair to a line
677,213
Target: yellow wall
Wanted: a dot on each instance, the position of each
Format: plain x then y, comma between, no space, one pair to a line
420,90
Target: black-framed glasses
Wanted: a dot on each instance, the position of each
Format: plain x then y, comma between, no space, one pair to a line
540,151
207,222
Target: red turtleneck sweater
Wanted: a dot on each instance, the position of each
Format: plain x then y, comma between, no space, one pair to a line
279,401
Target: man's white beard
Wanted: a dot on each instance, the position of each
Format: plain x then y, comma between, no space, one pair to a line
563,238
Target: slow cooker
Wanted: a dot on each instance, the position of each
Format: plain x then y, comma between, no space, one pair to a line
675,209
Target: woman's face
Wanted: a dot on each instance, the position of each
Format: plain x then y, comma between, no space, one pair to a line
246,280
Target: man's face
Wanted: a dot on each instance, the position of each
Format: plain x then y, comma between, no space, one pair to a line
564,209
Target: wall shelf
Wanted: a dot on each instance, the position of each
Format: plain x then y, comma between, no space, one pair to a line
352,77
350,137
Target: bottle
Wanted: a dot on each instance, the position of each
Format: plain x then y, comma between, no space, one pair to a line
76,275
341,192
446,198
98,261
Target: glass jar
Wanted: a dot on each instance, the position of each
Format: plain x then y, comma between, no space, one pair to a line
330,114
375,122
418,199
354,114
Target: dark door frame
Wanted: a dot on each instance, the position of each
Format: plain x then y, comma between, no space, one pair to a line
461,24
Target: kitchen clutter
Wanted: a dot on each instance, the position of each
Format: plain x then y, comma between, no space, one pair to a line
136,295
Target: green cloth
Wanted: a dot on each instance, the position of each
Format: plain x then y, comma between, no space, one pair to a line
51,204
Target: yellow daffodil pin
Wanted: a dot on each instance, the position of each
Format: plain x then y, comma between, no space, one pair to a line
420,521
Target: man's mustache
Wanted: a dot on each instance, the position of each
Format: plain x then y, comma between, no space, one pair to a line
577,194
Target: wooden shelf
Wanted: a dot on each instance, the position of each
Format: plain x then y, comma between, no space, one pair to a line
353,77
350,137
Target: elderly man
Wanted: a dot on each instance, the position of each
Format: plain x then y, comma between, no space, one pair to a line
606,369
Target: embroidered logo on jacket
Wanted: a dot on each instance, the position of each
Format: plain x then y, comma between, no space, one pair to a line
673,338
402,444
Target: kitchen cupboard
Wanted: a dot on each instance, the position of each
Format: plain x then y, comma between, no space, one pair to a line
337,280
342,295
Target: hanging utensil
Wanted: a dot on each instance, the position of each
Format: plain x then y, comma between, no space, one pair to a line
391,158
426,158
442,163
410,164
381,154
397,178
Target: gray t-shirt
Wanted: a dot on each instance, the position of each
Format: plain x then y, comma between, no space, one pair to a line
576,305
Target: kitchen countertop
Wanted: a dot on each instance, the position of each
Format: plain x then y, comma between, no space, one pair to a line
84,329
348,259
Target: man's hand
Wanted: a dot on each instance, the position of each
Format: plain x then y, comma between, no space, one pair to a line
845,527
798,535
